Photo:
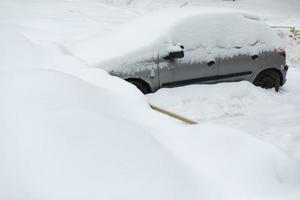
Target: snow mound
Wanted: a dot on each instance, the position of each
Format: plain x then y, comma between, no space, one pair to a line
228,33
63,138
232,165
17,51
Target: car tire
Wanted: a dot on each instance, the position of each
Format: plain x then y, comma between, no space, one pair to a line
268,79
140,86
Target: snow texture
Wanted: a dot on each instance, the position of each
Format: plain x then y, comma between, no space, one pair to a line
72,132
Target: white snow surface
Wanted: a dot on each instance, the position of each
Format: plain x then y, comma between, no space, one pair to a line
65,138
229,33
69,131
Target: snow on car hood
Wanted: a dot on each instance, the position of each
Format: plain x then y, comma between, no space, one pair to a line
205,33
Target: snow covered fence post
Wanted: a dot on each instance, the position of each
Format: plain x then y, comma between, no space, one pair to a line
295,32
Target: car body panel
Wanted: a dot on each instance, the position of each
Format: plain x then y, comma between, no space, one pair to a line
177,72
158,73
237,68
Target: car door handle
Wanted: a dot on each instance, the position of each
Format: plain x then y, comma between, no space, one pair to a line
211,63
254,57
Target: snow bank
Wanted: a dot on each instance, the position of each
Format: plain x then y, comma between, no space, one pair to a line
19,52
228,33
63,138
229,164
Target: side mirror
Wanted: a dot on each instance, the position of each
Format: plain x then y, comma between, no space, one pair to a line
175,52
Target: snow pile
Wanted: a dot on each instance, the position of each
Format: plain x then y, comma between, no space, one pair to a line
228,165
64,138
229,33
19,52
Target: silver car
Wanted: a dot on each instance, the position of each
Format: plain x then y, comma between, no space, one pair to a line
252,61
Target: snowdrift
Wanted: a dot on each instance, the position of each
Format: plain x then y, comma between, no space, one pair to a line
64,138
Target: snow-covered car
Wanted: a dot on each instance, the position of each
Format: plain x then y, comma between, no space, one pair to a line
183,47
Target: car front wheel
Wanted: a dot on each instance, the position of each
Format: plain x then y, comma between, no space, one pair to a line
142,87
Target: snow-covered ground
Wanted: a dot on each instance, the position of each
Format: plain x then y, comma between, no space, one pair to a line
69,131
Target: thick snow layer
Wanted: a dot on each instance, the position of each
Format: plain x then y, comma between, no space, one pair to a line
19,52
55,20
207,148
64,138
229,33
68,131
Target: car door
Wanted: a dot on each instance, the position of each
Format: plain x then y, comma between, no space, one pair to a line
237,68
178,72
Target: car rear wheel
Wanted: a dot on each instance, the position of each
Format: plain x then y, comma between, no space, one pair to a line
268,79
142,87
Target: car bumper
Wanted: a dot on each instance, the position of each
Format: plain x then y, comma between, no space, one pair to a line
284,70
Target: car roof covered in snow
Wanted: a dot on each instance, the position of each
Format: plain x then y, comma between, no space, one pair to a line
206,33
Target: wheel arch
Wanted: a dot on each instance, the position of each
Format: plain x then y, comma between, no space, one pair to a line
145,83
272,69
